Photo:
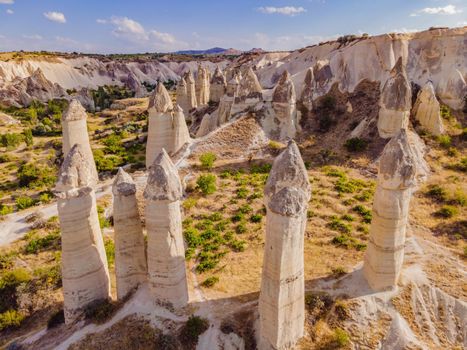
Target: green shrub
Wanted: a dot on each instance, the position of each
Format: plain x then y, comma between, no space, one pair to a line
8,286
256,218
32,176
347,217
192,237
206,184
337,225
338,270
356,144
109,246
275,146
6,209
245,209
207,160
210,281
340,338
444,141
10,319
364,212
192,329
447,211
189,203
264,168
24,202
344,185
11,140
241,228
237,245
242,193
237,217
437,192
43,243
50,275
458,198
445,112
113,144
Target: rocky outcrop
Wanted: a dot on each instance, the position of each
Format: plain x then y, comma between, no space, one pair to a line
209,123
182,97
166,251
308,90
395,103
130,255
284,105
132,83
75,131
227,101
427,110
282,295
84,97
190,91
180,133
202,86
85,275
250,90
218,86
401,169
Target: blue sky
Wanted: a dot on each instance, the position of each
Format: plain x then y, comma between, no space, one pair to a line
105,26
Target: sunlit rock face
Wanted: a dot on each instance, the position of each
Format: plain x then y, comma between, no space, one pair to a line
166,251
282,295
75,131
190,91
218,85
401,169
85,275
307,95
284,105
130,255
203,86
427,110
395,103
227,101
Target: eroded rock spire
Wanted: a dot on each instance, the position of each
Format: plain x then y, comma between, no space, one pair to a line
284,105
427,110
218,86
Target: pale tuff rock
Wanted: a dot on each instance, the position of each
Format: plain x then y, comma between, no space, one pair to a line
308,90
284,105
227,101
75,131
232,87
130,256
218,85
85,274
250,88
166,252
202,86
395,103
190,91
281,301
182,96
427,110
84,97
167,127
209,123
400,171
133,84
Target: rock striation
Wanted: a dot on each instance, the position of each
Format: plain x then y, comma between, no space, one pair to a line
250,90
284,105
395,102
427,110
307,95
130,255
182,96
209,123
167,126
85,275
202,86
227,101
75,131
218,85
190,91
166,251
401,168
282,295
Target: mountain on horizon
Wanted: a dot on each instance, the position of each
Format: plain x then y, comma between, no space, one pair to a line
212,51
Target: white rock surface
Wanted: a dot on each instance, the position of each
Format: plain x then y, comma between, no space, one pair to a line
307,95
218,85
202,86
130,255
166,251
427,110
284,105
85,274
282,295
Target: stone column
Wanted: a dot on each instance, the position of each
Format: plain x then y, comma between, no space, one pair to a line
202,86
427,110
226,101
395,102
181,135
191,91
182,96
75,131
308,90
400,168
282,295
130,253
160,133
166,251
284,105
218,86
85,274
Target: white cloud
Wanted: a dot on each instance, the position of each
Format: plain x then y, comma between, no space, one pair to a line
446,10
282,42
55,16
10,11
462,24
286,10
101,21
32,37
7,2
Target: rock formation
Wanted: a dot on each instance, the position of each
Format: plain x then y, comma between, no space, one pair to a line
227,101
395,102
218,86
427,110
167,127
400,169
132,83
130,256
85,274
84,97
209,123
281,301
75,131
190,91
284,105
182,96
308,90
250,89
202,86
166,252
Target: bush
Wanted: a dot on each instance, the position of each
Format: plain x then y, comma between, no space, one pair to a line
444,141
344,185
189,203
237,245
207,160
340,338
364,212
437,192
193,328
11,140
356,144
210,281
447,211
275,146
10,319
24,202
206,184
242,193
8,285
109,250
256,218
6,209
43,243
260,168
241,228
337,225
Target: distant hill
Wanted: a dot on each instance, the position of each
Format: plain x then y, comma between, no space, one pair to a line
212,51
